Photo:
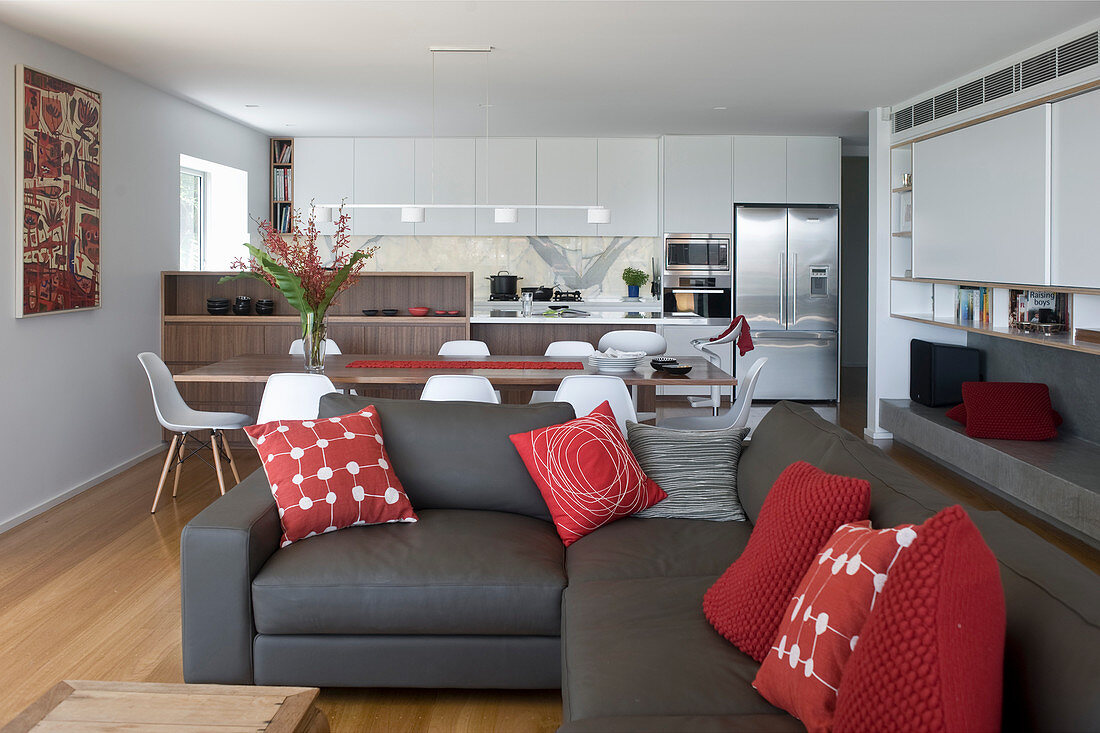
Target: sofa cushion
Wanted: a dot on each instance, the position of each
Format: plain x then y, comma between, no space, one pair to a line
643,647
655,548
453,572
1008,410
457,455
682,723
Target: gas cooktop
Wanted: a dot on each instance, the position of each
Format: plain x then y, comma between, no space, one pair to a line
567,296
504,296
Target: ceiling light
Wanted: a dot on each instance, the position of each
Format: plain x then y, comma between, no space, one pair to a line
323,214
412,214
505,215
599,215
719,109
252,106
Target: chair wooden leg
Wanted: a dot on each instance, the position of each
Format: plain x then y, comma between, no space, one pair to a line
232,460
217,460
179,466
164,471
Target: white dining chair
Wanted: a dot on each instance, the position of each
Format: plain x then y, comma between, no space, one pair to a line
175,416
652,343
464,348
578,349
706,347
298,347
293,396
585,392
736,417
459,388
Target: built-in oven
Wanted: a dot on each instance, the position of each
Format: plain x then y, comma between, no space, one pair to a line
699,295
698,252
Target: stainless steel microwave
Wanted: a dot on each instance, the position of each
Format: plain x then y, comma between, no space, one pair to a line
698,252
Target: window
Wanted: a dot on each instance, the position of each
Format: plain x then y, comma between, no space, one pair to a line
192,218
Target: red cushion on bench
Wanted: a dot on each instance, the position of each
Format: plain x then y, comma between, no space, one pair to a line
958,414
1008,410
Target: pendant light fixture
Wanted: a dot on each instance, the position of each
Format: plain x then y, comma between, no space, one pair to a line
414,213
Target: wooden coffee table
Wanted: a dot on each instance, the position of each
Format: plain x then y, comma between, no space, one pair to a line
98,707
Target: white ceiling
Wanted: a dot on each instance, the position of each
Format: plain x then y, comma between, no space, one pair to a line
322,67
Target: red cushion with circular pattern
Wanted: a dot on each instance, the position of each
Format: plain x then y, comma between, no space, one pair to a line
330,473
824,619
586,473
930,657
799,514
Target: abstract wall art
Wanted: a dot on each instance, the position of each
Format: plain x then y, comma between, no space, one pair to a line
58,201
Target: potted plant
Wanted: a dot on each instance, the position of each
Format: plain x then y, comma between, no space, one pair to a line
292,264
634,279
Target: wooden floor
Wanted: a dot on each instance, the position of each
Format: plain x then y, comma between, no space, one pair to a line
90,590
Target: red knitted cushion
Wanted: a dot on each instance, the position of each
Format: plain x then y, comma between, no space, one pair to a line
330,473
1008,410
930,655
586,473
800,513
958,414
824,619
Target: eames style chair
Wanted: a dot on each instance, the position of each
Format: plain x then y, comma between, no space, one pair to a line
736,417
459,388
579,349
586,392
464,348
293,396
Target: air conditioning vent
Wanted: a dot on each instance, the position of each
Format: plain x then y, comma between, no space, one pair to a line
1052,63
1038,69
903,119
972,94
999,83
946,104
922,112
1078,54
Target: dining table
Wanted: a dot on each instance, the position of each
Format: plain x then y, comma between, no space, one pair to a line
256,368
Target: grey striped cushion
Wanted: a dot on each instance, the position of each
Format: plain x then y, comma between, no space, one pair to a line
696,468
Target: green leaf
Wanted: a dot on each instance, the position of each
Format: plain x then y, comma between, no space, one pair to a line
290,285
341,275
245,275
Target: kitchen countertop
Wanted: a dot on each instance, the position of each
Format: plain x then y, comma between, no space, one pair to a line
602,318
596,304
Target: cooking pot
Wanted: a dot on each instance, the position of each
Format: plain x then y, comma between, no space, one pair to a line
503,284
540,293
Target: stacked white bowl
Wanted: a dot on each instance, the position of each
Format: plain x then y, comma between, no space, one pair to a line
616,362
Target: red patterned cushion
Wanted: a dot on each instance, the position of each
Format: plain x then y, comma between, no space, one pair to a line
586,473
330,473
930,655
823,621
1008,410
800,513
958,414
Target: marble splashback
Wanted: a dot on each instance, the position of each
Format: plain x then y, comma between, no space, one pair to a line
593,265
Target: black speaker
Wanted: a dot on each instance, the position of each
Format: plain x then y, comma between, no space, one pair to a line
937,372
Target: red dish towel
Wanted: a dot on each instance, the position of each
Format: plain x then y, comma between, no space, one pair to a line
744,339
449,364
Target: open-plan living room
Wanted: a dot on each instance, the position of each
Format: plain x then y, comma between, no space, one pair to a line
593,366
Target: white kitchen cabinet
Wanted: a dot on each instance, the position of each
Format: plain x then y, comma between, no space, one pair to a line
384,174
445,168
510,165
980,201
759,169
698,184
1075,191
813,170
565,176
323,173
628,186
679,345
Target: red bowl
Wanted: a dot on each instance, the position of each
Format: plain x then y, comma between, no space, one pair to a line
419,311
452,313
441,313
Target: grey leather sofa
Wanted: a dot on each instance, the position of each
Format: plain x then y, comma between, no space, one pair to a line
480,593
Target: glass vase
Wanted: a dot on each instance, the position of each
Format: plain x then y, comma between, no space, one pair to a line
314,340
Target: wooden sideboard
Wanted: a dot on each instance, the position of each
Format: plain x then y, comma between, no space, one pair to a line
190,337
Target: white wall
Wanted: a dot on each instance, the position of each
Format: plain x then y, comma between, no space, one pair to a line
887,338
75,402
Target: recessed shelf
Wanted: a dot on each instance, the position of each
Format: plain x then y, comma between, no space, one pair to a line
988,284
1063,340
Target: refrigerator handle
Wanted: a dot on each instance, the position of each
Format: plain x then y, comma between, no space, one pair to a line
782,290
794,291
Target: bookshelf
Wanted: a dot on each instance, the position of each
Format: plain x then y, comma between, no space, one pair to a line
282,183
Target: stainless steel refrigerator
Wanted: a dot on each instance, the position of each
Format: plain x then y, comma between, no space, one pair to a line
787,287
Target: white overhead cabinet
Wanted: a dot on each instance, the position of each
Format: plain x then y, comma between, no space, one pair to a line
324,170
509,164
980,201
1075,191
759,169
698,183
384,174
565,176
628,186
445,175
813,170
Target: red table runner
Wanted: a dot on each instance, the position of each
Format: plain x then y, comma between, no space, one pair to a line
450,364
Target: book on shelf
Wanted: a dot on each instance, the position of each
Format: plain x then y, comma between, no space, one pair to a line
281,184
974,304
282,151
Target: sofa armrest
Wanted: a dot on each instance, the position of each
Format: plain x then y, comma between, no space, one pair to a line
221,551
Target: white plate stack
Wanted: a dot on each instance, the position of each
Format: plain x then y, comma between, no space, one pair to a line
616,362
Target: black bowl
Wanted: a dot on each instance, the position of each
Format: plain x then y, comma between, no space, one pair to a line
659,362
217,311
217,301
260,311
265,301
389,311
370,311
678,369
242,309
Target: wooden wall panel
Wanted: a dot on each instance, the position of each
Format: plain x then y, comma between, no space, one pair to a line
525,339
208,342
